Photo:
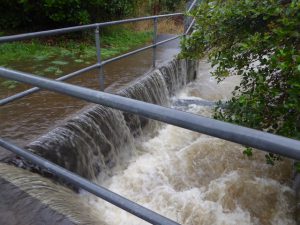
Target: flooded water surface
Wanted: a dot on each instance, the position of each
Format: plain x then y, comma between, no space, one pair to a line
189,177
23,120
196,179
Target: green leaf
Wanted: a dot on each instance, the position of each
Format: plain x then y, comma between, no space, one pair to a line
248,152
258,41
10,84
41,57
297,167
60,63
79,60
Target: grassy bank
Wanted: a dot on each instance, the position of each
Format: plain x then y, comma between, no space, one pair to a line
50,57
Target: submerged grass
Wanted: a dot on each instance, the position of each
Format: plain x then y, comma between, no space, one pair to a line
53,58
111,45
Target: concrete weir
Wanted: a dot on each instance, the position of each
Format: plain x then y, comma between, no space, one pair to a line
90,142
187,176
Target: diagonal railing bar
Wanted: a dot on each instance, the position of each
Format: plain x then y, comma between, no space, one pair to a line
101,192
192,5
238,134
100,64
110,100
84,70
190,27
26,36
36,89
140,50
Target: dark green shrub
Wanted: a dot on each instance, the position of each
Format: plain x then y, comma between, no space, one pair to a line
57,13
258,40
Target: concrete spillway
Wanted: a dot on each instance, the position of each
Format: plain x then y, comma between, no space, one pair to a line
188,177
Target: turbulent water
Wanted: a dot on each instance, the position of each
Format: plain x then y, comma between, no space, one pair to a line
97,138
189,177
196,179
29,199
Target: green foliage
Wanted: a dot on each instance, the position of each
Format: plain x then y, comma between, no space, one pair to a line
53,13
19,50
56,58
164,5
248,151
10,84
297,166
259,40
45,14
53,70
59,63
272,158
11,14
111,44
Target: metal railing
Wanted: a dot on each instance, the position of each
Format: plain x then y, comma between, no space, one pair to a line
253,138
100,64
238,134
191,23
101,192
117,200
84,70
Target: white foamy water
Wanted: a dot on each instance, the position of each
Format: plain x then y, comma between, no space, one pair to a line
196,179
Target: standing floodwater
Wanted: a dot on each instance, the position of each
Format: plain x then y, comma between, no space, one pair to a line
24,120
196,179
186,176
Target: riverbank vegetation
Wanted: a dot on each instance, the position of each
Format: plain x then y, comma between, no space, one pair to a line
80,49
260,42
51,55
45,14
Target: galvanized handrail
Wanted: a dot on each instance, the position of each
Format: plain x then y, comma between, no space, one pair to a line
27,36
190,27
238,134
257,139
99,64
66,175
84,70
193,5
101,192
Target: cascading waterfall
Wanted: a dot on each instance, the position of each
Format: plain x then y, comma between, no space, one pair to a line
102,135
88,143
196,179
186,176
92,143
97,138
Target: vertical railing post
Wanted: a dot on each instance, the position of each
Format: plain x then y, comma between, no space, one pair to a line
154,41
98,48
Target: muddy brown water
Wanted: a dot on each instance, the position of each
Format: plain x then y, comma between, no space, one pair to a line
26,119
186,176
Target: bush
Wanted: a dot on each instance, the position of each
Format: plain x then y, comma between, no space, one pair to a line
45,14
151,7
56,13
258,40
